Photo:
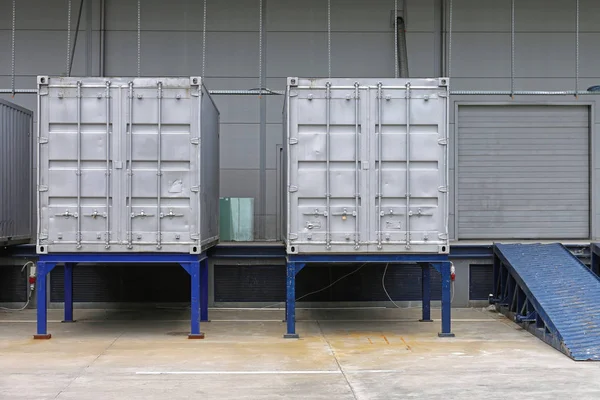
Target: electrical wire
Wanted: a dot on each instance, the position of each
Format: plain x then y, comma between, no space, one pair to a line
383,285
28,263
320,290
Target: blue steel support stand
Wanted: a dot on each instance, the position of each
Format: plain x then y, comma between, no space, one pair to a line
595,262
295,263
426,292
69,292
204,290
444,269
43,269
195,264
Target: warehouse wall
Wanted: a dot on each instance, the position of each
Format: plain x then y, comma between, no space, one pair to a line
296,45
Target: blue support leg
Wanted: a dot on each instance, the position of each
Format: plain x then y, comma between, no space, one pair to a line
446,300
204,290
195,317
426,292
290,310
43,269
68,292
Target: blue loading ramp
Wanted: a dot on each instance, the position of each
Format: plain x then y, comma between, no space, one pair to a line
549,292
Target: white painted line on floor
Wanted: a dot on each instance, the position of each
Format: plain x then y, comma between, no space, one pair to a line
315,372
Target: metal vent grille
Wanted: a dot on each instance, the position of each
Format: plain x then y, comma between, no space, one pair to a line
481,281
252,283
13,284
124,283
267,283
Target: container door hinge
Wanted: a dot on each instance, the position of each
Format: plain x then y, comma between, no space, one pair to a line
195,236
443,189
292,188
43,236
195,140
293,236
43,140
195,189
293,140
293,93
443,142
443,236
42,188
443,94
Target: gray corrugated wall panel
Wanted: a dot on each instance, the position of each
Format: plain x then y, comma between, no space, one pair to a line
523,172
353,53
45,58
42,18
532,15
347,15
274,139
228,54
230,15
240,183
240,146
16,180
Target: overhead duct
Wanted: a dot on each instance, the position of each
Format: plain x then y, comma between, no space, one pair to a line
398,23
401,45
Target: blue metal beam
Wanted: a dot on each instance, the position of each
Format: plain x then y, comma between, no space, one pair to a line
276,250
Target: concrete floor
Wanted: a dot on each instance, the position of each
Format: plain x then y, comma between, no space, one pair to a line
342,354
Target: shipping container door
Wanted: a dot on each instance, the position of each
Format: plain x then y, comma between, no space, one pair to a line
523,172
75,139
162,167
328,149
417,220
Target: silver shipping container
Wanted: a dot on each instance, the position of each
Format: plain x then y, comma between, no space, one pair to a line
366,166
16,174
127,165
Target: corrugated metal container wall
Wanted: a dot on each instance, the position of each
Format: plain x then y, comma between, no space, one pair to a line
127,165
351,189
16,174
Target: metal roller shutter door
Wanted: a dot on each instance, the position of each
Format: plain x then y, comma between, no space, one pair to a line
523,172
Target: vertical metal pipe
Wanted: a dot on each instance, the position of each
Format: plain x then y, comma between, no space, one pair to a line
12,47
102,35
379,160
159,169
512,49
577,49
68,36
451,9
78,216
130,169
408,165
356,165
107,173
327,166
